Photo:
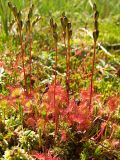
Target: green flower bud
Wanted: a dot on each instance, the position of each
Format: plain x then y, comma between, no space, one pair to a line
19,15
55,36
51,22
69,25
11,24
63,14
96,15
36,20
62,22
30,13
28,24
10,5
54,26
32,6
65,21
64,34
70,33
95,35
20,24
94,7
96,25
14,11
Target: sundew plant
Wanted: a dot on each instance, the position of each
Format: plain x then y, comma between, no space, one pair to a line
59,81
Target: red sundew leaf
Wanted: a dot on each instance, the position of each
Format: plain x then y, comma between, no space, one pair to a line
11,100
15,90
17,61
26,101
50,157
102,130
12,87
53,158
64,136
27,96
31,122
78,52
84,127
71,108
9,71
60,96
2,97
97,96
40,122
116,143
2,64
85,95
83,121
81,116
113,103
49,107
39,156
27,110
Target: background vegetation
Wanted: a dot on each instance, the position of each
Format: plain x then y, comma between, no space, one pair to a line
50,107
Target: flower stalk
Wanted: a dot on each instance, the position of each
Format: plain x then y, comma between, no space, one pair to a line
55,37
95,37
18,15
66,26
29,28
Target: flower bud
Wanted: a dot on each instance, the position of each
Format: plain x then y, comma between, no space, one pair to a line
65,21
94,7
51,22
96,15
55,36
32,6
69,25
14,11
96,25
10,5
11,24
62,22
28,24
19,15
20,24
54,27
70,33
95,35
36,20
64,34
63,14
30,13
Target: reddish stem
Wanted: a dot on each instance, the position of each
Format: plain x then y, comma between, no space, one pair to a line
68,71
23,65
103,128
30,61
92,74
56,107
